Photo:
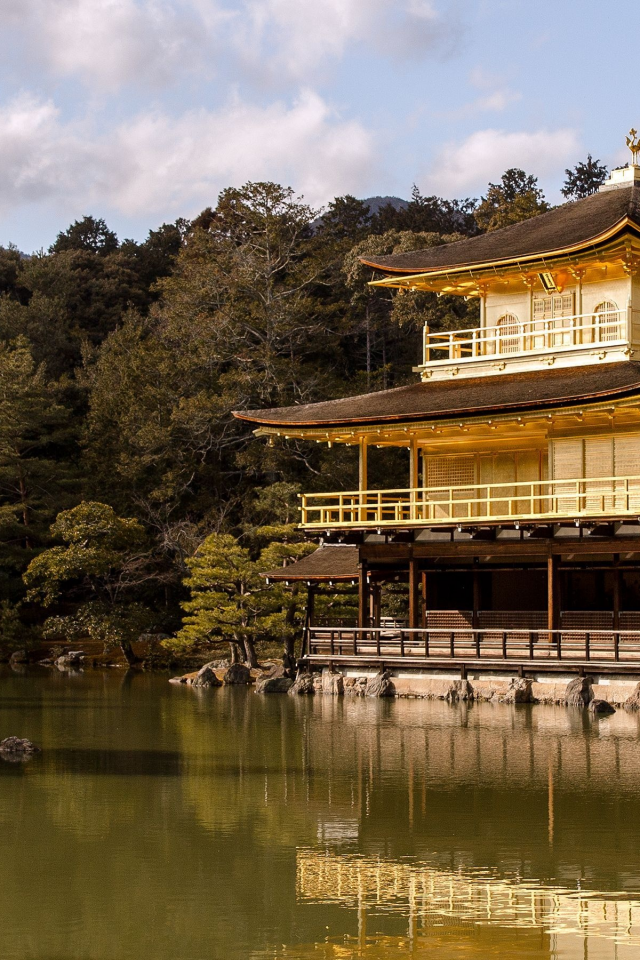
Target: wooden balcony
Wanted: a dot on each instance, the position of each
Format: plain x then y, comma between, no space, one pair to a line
602,498
605,650
516,337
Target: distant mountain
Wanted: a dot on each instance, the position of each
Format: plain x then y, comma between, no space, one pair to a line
376,203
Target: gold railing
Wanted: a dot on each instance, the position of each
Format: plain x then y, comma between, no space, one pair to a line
527,336
602,497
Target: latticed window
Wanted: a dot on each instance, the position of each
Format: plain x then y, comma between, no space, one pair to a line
606,322
443,472
450,471
509,334
547,308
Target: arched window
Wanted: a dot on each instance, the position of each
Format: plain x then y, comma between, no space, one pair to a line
606,322
509,334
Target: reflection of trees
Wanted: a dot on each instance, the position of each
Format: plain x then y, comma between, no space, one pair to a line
460,784
247,767
446,942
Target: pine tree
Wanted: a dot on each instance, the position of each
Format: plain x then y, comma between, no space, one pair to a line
584,179
100,566
517,197
34,436
228,598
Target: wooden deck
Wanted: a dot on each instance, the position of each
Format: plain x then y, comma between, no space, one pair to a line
540,649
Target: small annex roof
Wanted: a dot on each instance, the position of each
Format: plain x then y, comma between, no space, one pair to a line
570,227
328,562
442,399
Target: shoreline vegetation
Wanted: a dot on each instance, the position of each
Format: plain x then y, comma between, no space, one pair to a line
132,504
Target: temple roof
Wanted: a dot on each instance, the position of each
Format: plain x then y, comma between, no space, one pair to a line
334,562
442,399
569,227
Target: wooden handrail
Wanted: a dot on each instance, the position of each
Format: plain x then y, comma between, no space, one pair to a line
528,336
463,644
580,497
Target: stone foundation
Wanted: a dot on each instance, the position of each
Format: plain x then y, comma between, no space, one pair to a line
566,691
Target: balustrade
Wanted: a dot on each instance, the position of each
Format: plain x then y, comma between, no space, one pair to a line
584,498
464,645
527,336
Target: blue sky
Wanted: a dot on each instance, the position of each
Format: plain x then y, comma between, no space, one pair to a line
140,111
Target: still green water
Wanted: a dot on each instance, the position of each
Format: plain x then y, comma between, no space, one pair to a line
161,822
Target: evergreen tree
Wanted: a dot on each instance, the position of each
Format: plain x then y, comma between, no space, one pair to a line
155,257
100,567
345,220
428,215
517,197
274,533
584,179
228,598
87,234
36,458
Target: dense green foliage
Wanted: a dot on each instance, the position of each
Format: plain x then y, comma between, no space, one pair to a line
120,364
584,179
517,197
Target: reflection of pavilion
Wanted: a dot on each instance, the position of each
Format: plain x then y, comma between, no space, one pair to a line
427,895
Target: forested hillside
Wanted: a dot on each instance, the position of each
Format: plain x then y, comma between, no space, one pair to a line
120,364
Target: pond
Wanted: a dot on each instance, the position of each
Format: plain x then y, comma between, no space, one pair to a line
163,823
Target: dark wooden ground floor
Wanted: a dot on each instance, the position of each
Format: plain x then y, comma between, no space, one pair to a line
543,604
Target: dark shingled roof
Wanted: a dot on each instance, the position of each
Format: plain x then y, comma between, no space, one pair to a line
570,225
442,399
335,562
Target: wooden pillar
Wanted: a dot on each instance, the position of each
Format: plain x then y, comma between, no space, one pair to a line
362,477
616,592
376,604
414,594
553,593
363,596
475,619
414,474
308,620
424,600
362,464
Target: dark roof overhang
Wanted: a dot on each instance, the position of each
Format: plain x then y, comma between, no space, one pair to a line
446,399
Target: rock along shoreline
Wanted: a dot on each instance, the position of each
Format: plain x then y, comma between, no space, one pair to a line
602,699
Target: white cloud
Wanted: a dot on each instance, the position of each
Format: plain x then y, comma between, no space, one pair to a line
496,95
156,166
297,37
109,43
485,155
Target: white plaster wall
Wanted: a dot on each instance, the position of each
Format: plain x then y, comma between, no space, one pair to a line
500,303
594,293
618,290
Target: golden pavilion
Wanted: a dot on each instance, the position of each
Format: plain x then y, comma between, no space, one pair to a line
517,524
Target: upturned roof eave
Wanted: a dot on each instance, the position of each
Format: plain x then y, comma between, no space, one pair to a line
551,403
442,272
328,563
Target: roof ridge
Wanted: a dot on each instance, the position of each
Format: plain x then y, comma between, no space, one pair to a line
546,233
